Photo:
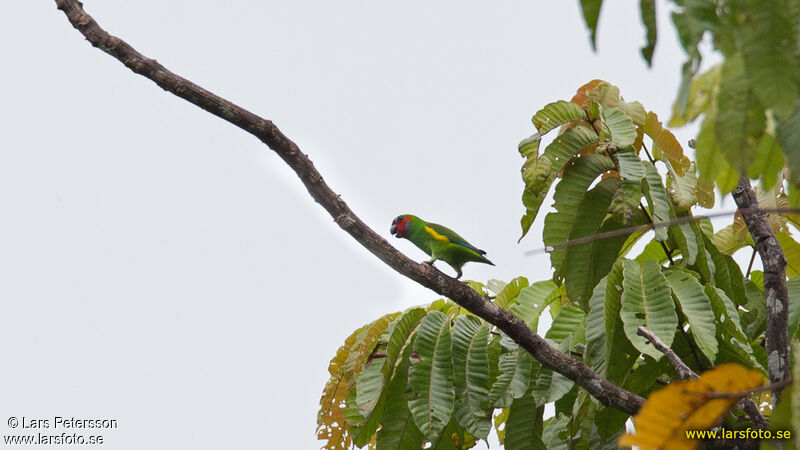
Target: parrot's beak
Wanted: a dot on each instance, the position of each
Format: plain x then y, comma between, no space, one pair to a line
393,230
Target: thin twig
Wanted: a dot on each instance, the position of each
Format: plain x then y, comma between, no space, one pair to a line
606,392
684,371
649,157
752,260
770,387
751,409
693,348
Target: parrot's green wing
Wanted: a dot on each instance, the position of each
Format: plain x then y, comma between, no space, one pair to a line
442,233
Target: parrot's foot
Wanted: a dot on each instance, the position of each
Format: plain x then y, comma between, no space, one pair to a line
429,262
458,275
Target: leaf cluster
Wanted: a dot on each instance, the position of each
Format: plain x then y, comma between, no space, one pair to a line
439,377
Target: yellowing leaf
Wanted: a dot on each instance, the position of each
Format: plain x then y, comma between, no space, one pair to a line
500,420
555,114
682,189
602,92
700,95
731,238
363,346
690,405
330,419
791,249
665,142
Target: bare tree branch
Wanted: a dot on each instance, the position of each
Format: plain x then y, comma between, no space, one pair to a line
774,262
605,391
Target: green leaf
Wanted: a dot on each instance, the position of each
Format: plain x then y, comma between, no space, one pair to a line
653,250
768,162
530,146
591,12
754,319
646,302
768,38
683,237
795,393
555,114
538,173
471,364
515,371
584,264
644,374
374,378
697,308
510,291
594,355
625,203
788,134
532,300
731,238
740,120
524,425
620,126
786,416
630,166
568,321
728,178
648,8
363,346
635,110
681,106
793,287
626,200
553,432
431,377
682,189
453,438
567,199
495,286
688,35
701,17
397,427
657,200
703,265
610,423
791,249
701,94
605,337
550,386
478,287
710,161
729,327
727,275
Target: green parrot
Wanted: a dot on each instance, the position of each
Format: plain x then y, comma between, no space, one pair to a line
441,243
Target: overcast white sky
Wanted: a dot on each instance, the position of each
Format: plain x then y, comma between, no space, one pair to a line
160,267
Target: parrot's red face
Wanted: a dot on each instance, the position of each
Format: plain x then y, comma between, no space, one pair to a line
400,226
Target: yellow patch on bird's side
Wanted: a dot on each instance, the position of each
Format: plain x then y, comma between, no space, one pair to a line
436,235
